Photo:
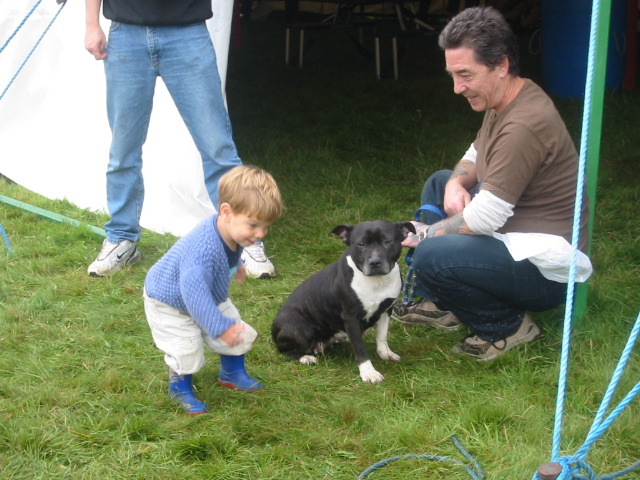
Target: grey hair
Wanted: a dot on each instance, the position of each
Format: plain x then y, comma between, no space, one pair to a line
486,32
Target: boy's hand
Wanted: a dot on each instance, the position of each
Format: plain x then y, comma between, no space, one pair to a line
233,335
240,274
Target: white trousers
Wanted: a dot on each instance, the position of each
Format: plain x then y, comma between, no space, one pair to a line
182,340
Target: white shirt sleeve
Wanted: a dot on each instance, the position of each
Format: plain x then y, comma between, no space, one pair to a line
486,213
470,154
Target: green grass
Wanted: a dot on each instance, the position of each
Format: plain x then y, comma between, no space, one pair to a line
83,389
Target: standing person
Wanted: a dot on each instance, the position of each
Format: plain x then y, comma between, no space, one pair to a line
150,39
496,241
186,293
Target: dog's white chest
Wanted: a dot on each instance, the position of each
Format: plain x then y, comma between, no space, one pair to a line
372,290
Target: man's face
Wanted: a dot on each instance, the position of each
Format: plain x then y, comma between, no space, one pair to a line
482,86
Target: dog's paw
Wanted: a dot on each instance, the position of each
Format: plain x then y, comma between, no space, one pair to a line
340,337
388,355
370,374
385,353
308,360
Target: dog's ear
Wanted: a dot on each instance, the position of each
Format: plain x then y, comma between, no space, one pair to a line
406,228
344,232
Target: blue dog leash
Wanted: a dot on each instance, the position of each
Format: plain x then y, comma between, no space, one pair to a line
408,291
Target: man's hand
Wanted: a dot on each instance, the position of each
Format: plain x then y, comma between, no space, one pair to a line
456,192
413,239
456,197
95,42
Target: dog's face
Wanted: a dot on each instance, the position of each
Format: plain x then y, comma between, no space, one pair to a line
374,246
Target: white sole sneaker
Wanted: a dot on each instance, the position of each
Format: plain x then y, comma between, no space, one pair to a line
256,262
114,257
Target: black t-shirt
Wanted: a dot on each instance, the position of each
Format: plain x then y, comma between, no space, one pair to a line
155,13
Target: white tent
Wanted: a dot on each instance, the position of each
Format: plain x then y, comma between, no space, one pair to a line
54,134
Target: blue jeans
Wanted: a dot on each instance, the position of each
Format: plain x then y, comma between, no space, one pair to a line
184,57
475,277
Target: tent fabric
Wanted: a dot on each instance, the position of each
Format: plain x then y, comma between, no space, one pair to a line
54,134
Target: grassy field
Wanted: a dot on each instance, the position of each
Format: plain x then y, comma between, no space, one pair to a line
83,389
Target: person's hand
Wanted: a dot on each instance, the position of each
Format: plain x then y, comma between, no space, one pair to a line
413,239
240,275
232,336
95,42
456,197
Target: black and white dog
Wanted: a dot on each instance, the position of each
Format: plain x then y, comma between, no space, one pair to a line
349,296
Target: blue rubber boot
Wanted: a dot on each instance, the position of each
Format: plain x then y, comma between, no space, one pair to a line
234,376
181,389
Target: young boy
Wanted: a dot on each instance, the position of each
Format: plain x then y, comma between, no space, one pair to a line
186,294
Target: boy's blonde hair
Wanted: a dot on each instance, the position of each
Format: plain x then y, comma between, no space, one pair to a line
251,191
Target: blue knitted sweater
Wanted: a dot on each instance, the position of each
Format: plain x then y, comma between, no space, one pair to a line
193,277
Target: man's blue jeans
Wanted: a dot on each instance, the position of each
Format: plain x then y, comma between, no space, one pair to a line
184,57
475,277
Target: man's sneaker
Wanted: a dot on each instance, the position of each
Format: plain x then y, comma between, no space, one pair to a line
426,313
484,350
113,257
256,263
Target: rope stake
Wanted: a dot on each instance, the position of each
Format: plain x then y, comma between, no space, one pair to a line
572,465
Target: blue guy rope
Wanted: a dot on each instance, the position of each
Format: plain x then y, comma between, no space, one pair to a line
564,358
475,473
16,203
20,25
566,335
6,239
599,425
571,465
62,4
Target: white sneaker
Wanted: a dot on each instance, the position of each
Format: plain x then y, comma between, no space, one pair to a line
256,263
113,257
